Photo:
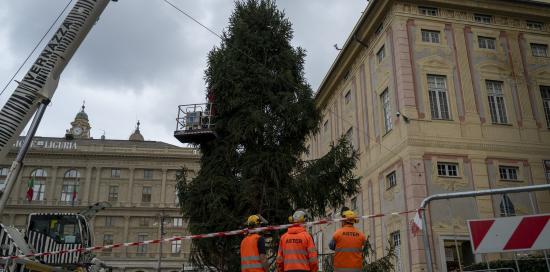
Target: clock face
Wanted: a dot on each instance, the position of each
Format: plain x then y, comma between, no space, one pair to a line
77,130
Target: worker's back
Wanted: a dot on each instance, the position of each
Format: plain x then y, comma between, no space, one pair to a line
297,251
348,249
250,254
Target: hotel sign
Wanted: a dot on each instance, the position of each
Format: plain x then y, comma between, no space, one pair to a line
49,144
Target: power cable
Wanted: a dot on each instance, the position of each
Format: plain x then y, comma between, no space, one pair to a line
195,20
292,83
36,46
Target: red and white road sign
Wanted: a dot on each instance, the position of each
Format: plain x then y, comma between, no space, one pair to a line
515,233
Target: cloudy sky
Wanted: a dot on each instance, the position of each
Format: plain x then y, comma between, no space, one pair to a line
144,58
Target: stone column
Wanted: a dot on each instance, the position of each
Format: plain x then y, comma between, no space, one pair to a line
86,192
163,188
126,234
97,182
51,189
131,186
16,194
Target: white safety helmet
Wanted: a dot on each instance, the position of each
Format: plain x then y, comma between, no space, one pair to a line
299,216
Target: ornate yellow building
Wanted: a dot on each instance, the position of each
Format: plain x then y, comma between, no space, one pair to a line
135,176
441,96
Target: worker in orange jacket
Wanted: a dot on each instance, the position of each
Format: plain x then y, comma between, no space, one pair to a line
297,252
348,243
253,257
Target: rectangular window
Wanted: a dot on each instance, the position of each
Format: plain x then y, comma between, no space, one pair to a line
381,54
147,173
447,169
107,240
391,180
347,97
110,221
508,172
176,247
539,50
428,11
3,174
38,190
69,191
386,110
353,204
497,106
142,248
396,238
483,18
535,25
178,222
437,92
349,135
115,173
547,170
113,193
146,194
379,29
346,75
545,94
144,221
486,42
430,36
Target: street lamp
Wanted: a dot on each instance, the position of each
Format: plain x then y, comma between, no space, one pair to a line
161,223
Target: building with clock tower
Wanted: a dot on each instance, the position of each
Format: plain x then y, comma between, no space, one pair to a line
80,127
137,177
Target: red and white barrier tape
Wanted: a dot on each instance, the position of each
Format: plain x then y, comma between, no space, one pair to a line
198,236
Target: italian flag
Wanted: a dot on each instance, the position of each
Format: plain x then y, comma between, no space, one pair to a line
73,197
416,223
30,190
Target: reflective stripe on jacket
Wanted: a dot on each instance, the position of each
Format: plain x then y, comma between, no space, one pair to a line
297,251
349,249
250,256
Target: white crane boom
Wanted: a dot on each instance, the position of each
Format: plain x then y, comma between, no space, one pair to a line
38,86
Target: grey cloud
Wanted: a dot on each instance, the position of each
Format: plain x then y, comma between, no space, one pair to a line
143,58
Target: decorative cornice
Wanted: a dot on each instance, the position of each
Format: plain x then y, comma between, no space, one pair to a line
491,147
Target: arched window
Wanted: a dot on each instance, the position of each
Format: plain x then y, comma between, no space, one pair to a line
69,192
39,176
507,207
3,175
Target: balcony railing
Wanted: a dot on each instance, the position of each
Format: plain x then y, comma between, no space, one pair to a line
195,123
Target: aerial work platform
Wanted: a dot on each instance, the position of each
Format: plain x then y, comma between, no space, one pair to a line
195,123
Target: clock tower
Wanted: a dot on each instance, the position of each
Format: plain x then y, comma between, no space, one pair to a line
80,127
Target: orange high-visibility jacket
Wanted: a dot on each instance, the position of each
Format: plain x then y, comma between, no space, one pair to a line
349,249
297,251
250,256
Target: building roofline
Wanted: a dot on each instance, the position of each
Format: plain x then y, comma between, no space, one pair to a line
160,144
345,47
371,7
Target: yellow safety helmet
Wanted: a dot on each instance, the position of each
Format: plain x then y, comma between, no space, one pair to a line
253,220
350,216
299,216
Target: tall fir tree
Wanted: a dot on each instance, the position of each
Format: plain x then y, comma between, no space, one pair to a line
264,112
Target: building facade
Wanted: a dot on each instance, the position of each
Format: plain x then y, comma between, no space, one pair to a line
441,96
135,176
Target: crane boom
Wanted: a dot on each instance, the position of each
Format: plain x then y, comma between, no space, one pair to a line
42,78
38,86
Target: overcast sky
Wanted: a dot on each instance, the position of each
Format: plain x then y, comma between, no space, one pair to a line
143,58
